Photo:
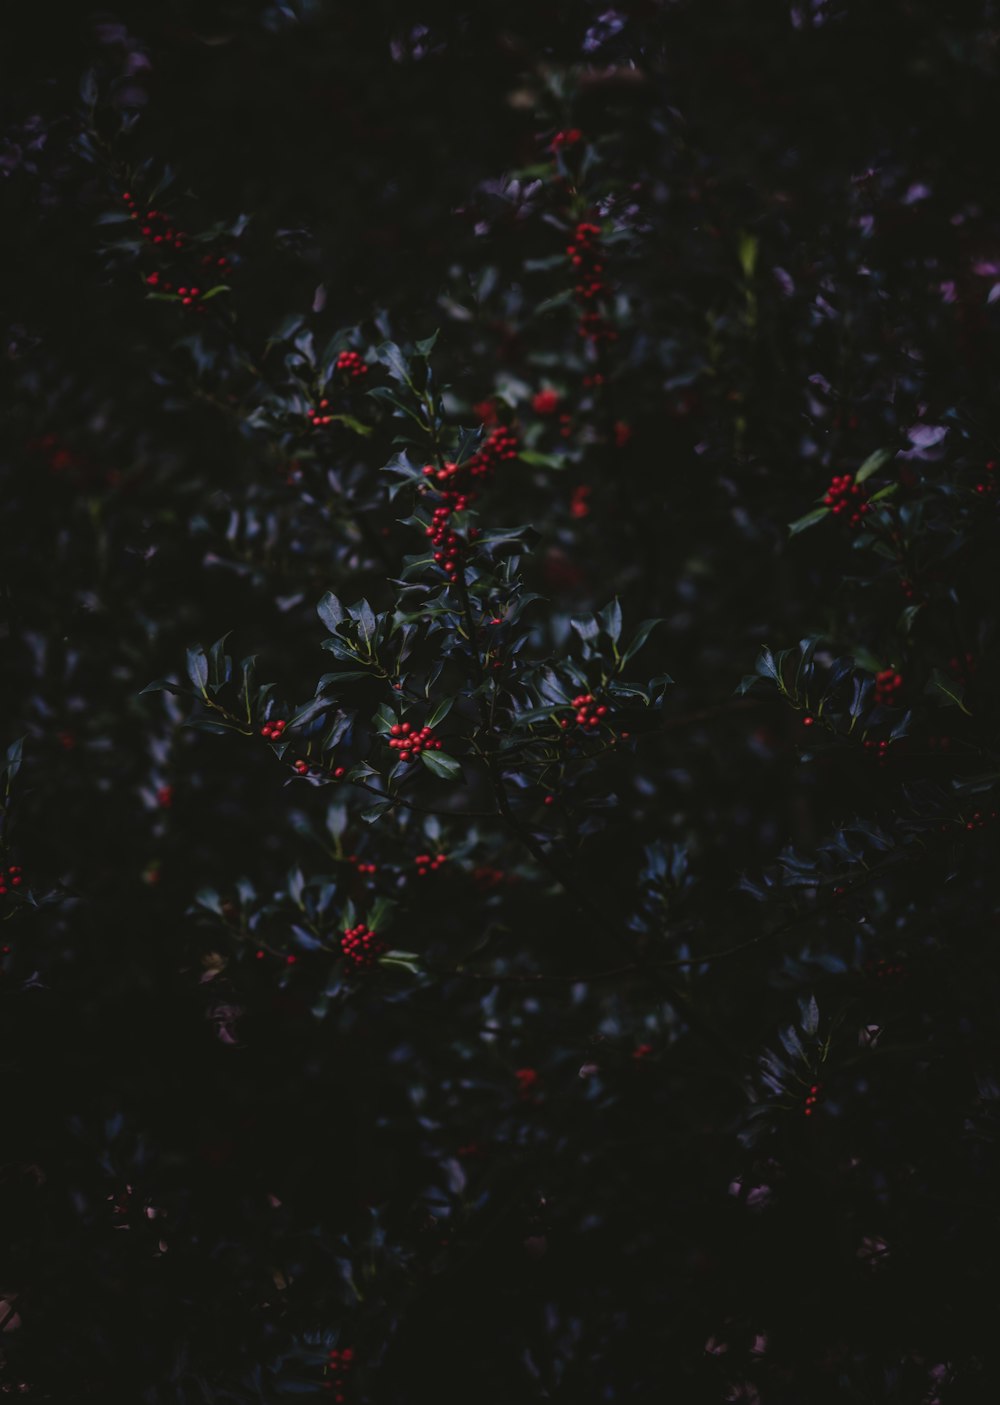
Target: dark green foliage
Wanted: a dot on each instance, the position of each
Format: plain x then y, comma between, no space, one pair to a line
371,567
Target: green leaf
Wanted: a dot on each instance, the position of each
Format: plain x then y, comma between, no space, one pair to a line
380,913
425,347
641,635
611,619
342,648
312,709
214,292
163,686
748,253
394,361
873,463
766,666
219,665
209,899
586,626
885,492
13,761
954,691
384,395
349,675
331,612
550,304
406,960
441,711
209,724
197,667
296,885
340,341
285,330
537,460
354,425
809,1011
441,765
809,520
908,618
366,622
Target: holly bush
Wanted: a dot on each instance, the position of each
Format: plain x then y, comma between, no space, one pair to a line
501,691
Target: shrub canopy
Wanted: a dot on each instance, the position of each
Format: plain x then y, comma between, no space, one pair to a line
499,811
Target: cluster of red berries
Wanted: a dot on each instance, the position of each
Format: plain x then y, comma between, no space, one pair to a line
988,485
486,878
450,481
883,970
273,730
598,378
888,685
12,878
587,258
936,743
979,821
302,768
351,364
570,137
880,750
188,296
165,797
429,863
361,946
367,868
411,741
908,589
841,498
486,411
812,1098
963,667
589,714
447,544
594,327
499,446
317,418
156,226
338,1368
220,263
